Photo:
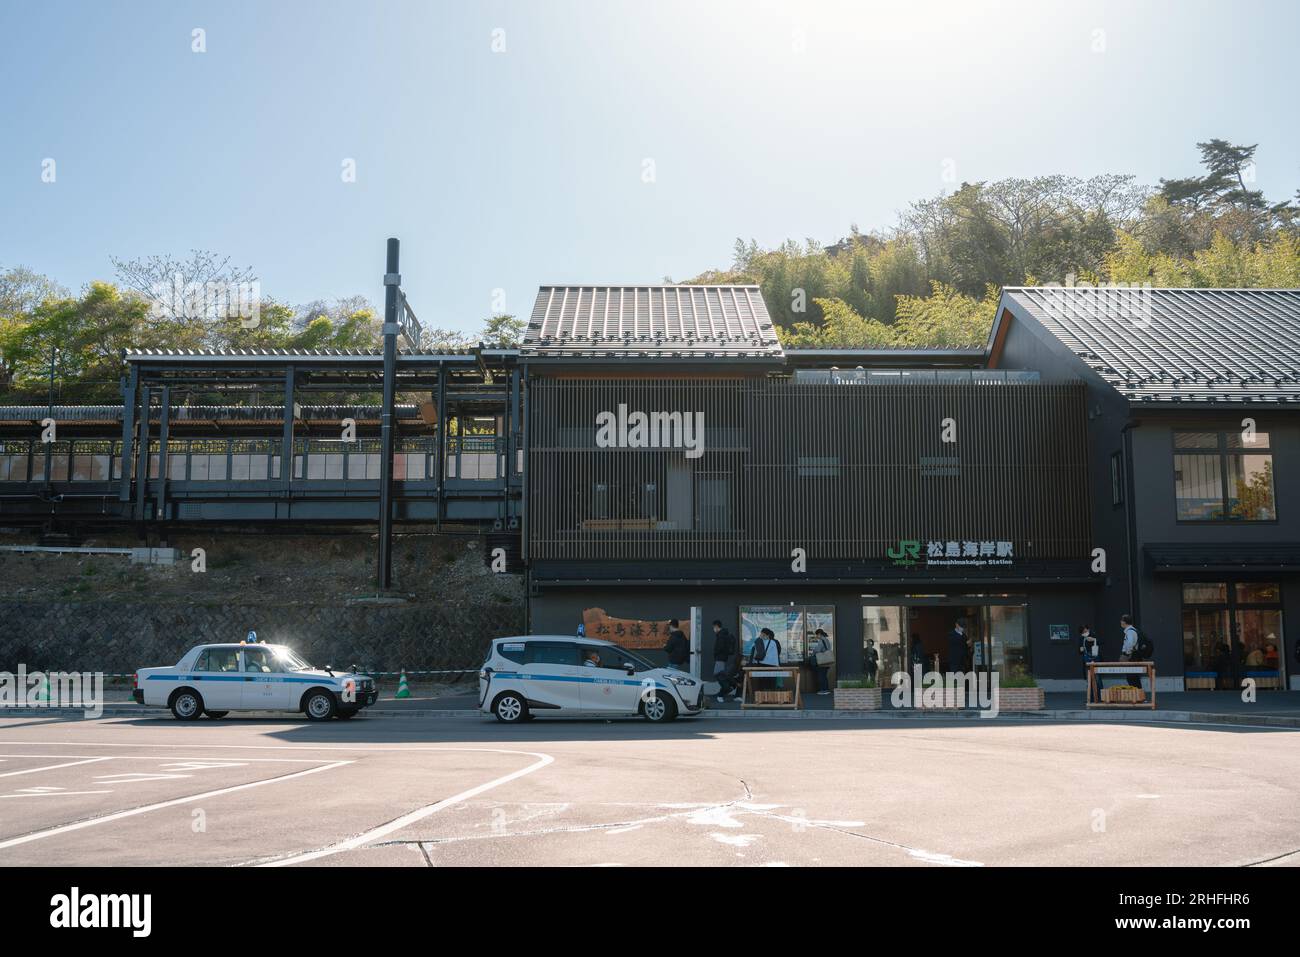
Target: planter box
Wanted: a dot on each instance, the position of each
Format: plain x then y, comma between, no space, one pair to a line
1020,699
857,699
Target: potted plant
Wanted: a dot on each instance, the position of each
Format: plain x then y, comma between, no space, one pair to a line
1018,691
856,693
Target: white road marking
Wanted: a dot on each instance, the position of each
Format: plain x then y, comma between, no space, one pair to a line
154,757
59,792
407,819
51,767
132,777
117,816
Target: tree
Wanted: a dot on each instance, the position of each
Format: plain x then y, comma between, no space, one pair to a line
503,332
85,335
199,290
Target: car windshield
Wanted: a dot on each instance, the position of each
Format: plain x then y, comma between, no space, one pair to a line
288,660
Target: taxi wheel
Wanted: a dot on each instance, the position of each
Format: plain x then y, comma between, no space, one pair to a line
658,707
187,705
216,715
319,706
510,707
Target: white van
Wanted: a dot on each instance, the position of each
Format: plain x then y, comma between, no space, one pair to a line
562,675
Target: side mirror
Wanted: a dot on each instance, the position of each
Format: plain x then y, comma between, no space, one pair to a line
629,668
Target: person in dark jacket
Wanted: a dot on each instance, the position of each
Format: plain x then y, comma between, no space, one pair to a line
726,659
916,653
1089,650
957,646
677,647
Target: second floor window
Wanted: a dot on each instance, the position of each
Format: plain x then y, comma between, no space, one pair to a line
1219,476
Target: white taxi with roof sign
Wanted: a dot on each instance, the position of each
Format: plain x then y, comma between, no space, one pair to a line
220,678
533,675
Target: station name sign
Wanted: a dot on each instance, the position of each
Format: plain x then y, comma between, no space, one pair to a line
979,554
651,430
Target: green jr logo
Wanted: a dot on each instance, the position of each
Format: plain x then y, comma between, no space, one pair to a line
907,553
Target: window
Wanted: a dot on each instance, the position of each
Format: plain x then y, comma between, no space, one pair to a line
552,653
1233,632
1117,478
793,625
1219,476
218,659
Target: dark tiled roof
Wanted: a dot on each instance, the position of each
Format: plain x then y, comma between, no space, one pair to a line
1200,346
650,321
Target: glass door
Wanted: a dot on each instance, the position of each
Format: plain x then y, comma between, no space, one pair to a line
883,653
1207,651
1258,636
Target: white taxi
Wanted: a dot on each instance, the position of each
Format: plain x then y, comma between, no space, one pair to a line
220,678
533,675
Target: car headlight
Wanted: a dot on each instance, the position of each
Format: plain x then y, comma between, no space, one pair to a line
682,680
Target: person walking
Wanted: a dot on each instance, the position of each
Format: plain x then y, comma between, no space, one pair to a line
726,659
677,647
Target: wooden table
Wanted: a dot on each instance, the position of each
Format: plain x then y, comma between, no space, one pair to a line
748,694
1098,669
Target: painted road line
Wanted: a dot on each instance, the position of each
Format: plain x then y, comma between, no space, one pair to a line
152,757
420,813
118,815
52,767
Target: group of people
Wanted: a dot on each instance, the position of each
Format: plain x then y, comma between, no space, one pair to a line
1134,647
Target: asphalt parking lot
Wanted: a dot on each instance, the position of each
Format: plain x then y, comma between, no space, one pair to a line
436,792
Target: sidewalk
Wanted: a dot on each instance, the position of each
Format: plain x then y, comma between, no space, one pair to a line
1278,709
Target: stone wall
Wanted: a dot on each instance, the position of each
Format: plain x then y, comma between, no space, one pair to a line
101,613
117,638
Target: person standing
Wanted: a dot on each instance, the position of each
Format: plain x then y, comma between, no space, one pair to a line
677,647
957,646
1128,650
871,660
820,645
1090,650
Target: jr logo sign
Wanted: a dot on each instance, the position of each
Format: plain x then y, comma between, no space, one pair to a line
651,430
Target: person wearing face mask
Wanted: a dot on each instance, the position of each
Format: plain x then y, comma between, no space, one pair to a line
1089,651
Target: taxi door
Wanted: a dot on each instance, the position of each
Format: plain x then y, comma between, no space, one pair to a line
553,676
608,687
217,677
264,687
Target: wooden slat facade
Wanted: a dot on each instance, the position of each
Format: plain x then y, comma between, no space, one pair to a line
843,471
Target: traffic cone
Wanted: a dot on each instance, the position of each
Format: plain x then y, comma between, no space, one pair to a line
402,690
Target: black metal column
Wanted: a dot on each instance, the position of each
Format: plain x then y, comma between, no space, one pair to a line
129,397
164,429
286,443
392,279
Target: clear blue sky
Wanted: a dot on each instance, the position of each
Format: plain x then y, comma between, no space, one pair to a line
518,168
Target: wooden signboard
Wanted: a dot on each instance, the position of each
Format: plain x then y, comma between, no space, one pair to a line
633,633
769,695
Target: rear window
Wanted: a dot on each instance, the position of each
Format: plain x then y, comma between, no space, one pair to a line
512,651
552,653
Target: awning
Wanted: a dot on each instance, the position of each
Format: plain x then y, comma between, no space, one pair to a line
1224,557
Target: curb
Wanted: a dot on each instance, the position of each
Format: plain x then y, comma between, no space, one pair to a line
469,714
